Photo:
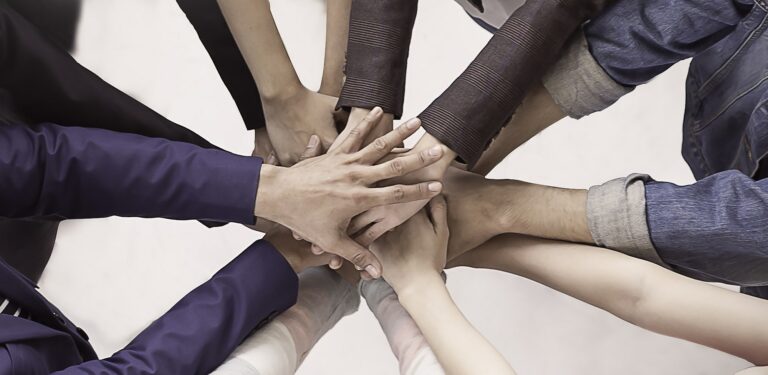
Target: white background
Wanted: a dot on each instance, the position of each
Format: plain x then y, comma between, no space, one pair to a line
114,276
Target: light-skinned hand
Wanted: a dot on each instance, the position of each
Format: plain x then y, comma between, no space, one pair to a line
417,248
294,119
318,197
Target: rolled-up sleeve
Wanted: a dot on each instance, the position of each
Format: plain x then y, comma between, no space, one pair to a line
578,84
632,42
713,230
617,217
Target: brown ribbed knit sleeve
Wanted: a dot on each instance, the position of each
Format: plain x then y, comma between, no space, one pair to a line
377,54
481,101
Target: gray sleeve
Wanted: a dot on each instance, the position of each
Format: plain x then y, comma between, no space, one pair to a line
578,84
616,216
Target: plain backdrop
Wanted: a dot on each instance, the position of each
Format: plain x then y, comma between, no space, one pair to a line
114,276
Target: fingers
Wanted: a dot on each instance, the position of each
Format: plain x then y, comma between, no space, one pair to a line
383,145
404,165
357,135
404,193
363,220
358,255
336,262
313,148
372,234
272,159
438,210
316,250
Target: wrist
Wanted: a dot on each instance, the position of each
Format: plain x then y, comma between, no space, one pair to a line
269,193
418,289
282,96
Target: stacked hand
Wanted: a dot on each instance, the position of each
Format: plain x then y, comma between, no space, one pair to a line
292,120
375,222
318,197
417,248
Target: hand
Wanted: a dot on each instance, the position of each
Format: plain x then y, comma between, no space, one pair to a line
318,197
415,249
380,220
295,252
358,114
295,118
262,147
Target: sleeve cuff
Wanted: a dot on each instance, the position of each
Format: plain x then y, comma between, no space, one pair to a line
229,194
578,84
617,217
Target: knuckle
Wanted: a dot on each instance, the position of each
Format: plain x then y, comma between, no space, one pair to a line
423,159
398,193
380,144
397,167
358,259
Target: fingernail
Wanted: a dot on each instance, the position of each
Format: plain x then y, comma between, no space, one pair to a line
372,271
435,151
313,140
435,187
376,111
412,123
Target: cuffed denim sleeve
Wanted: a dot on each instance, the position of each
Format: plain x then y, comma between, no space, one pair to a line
578,84
617,218
715,229
634,41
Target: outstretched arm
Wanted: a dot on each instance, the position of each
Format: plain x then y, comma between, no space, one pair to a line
639,292
292,112
413,257
336,34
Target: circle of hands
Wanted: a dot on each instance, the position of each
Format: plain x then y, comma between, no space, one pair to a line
366,201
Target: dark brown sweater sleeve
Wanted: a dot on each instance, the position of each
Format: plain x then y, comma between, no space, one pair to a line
377,54
481,101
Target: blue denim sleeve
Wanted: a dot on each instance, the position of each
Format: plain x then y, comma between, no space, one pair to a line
634,41
713,230
77,173
200,331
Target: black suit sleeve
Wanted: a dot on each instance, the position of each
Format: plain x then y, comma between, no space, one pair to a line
47,85
205,16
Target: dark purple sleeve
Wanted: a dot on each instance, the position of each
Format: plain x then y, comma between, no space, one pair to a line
68,172
200,331
481,101
377,54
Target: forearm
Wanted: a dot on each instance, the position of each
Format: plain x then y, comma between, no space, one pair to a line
636,291
457,345
541,211
69,172
496,81
336,34
258,38
537,112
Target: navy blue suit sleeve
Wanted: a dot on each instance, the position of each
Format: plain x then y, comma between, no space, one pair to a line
6,367
68,172
202,329
635,41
